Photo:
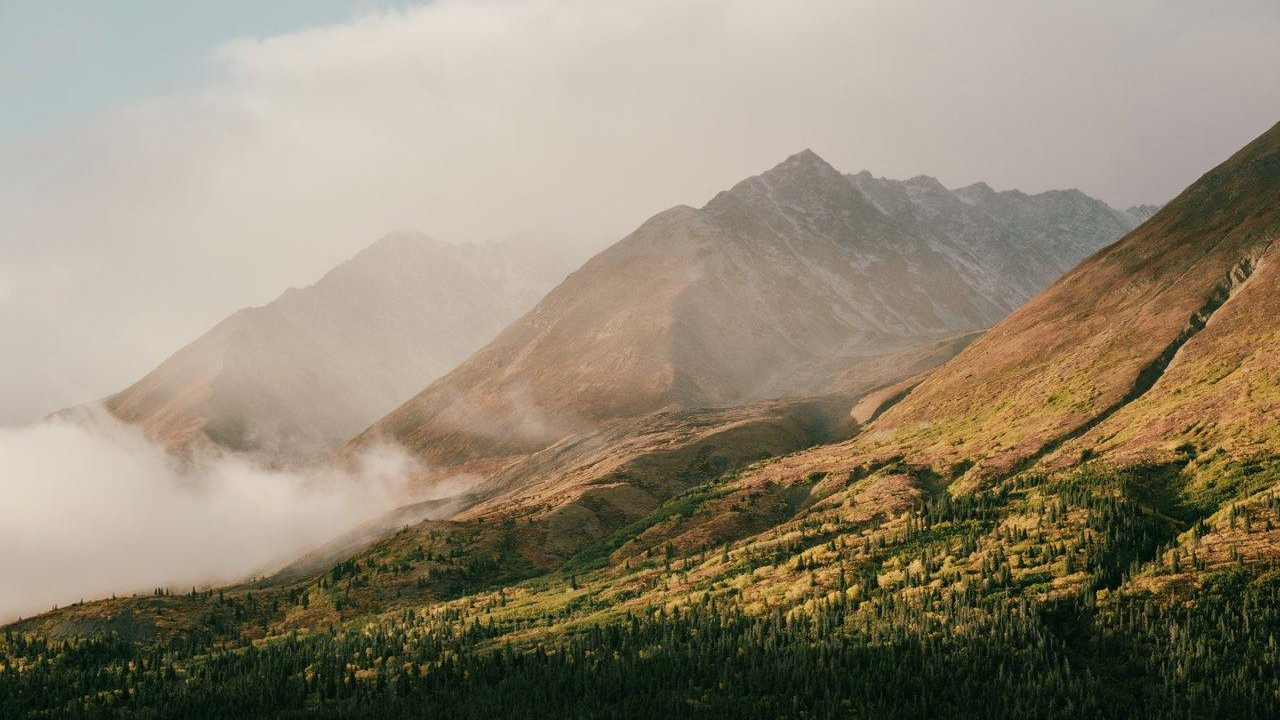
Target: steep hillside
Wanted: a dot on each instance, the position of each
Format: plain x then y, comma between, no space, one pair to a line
294,379
1167,337
579,490
593,482
783,285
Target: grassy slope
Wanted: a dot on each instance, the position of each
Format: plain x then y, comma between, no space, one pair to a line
1080,347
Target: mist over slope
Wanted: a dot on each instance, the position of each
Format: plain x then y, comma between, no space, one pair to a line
776,287
798,281
91,507
294,379
801,280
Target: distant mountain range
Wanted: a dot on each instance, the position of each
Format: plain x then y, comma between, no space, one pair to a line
800,280
292,380
797,281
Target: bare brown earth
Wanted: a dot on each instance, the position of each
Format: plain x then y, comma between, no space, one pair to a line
579,490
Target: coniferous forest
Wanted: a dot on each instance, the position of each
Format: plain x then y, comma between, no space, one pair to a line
949,636
953,657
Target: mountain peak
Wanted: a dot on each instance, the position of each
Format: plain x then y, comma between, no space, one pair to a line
1140,213
396,237
804,162
976,193
292,380
803,180
926,182
930,195
806,155
395,243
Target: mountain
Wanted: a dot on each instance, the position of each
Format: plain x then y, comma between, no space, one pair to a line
1010,244
294,379
782,285
1075,516
1140,213
1163,339
580,489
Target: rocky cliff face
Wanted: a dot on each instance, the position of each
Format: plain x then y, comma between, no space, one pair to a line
1008,245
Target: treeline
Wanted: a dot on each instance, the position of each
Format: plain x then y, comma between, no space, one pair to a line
929,616
933,656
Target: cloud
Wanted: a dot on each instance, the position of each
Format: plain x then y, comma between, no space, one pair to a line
130,235
89,507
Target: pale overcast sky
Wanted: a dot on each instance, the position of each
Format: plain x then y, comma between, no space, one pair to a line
164,163
63,59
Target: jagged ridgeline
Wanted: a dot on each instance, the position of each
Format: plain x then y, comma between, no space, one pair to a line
800,280
1075,517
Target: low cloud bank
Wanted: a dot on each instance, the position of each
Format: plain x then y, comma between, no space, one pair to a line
91,508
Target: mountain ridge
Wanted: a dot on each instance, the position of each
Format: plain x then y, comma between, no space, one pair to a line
291,380
1163,258
763,291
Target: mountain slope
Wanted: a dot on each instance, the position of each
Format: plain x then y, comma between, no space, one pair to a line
294,379
776,287
1178,313
864,578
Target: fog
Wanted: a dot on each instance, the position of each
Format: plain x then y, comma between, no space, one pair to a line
89,507
127,234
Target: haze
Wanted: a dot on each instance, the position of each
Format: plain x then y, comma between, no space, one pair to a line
129,230
130,227
91,508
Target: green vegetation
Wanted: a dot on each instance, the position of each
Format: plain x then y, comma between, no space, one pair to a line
682,505
1090,593
960,657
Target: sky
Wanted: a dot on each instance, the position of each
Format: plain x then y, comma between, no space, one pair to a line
165,163
61,60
